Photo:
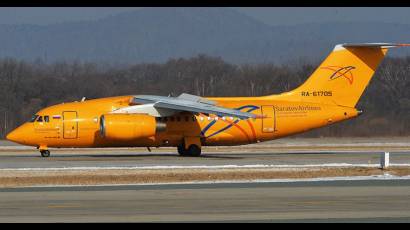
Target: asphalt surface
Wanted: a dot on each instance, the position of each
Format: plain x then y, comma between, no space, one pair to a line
129,158
283,151
322,201
337,201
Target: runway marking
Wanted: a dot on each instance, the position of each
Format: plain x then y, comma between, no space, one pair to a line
256,166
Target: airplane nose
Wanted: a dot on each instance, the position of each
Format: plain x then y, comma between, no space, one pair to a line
11,136
15,136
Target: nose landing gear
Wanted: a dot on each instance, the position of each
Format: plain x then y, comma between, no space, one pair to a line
45,153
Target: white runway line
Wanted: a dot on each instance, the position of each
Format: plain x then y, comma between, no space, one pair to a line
258,166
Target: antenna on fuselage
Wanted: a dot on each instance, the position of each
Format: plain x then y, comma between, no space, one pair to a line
83,99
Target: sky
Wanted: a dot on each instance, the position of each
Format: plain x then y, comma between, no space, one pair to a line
268,15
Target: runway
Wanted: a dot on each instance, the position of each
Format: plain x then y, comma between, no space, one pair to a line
339,201
267,196
279,152
129,158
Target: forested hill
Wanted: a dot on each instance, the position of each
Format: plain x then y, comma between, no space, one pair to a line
157,34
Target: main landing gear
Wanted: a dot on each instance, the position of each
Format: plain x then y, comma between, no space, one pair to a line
190,148
192,151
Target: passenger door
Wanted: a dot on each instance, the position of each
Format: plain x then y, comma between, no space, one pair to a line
269,119
70,125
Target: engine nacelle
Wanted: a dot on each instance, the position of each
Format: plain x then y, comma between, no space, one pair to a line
129,126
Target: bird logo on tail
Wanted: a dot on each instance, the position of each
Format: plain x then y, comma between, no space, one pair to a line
338,71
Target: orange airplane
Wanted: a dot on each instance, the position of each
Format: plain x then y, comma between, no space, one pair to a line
189,122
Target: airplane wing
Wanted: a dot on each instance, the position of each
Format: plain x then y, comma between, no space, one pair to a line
184,102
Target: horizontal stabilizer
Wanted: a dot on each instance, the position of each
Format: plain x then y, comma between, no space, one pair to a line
379,45
376,45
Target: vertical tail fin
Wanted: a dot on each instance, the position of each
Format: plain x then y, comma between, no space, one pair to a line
343,76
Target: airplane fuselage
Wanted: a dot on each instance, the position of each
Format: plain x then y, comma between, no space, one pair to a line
77,124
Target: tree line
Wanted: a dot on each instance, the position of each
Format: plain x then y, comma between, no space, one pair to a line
26,87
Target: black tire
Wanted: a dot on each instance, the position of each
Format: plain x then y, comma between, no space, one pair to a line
182,151
45,153
194,151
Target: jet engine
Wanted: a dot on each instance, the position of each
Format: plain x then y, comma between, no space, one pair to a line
129,126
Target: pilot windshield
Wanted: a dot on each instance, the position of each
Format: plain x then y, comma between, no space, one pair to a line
33,118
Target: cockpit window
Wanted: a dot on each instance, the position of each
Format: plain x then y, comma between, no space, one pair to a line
40,119
33,118
46,118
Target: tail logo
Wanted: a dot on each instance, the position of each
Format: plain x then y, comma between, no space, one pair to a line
345,72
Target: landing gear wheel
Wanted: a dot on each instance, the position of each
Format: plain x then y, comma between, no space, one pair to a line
45,153
182,151
194,151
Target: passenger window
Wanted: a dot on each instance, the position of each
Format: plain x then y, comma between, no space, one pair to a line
186,118
40,119
171,118
178,119
165,119
46,118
